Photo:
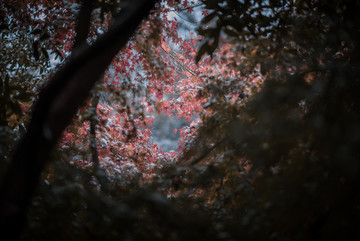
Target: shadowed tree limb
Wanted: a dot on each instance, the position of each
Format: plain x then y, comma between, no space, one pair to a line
58,102
98,171
82,32
83,25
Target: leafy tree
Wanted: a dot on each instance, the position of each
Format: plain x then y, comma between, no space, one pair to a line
271,151
286,163
57,104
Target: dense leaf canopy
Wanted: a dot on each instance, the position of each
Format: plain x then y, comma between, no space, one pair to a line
269,91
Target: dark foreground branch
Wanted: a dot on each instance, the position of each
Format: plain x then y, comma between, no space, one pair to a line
57,104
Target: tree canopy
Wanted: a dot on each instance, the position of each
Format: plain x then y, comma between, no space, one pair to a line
268,89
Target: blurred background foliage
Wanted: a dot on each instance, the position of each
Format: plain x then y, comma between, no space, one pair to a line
283,165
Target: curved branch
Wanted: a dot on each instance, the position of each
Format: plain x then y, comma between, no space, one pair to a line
57,104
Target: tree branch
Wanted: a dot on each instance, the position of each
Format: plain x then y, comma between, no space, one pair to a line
58,102
83,25
182,65
98,171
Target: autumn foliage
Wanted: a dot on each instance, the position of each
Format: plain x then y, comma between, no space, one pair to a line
268,92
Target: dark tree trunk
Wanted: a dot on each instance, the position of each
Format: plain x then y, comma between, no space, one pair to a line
57,104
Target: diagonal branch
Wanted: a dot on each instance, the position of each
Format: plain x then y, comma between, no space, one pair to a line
82,32
83,25
176,59
98,171
58,102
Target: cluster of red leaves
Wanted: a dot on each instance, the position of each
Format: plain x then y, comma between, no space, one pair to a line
155,73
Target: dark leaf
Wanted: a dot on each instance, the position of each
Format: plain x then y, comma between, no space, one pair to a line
43,50
44,36
36,31
202,50
36,50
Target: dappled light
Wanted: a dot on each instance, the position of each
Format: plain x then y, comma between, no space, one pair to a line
180,120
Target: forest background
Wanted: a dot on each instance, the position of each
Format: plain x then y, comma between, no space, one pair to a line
268,92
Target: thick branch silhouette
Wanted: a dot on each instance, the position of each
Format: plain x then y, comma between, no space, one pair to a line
57,104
